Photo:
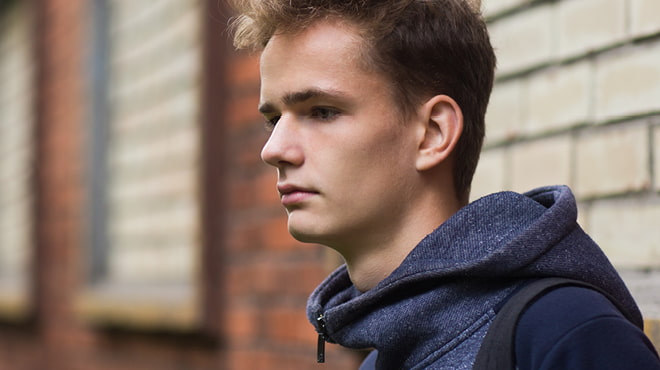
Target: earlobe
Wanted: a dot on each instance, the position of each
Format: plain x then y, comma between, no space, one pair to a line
443,120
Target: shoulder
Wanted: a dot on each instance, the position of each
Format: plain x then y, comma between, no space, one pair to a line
579,328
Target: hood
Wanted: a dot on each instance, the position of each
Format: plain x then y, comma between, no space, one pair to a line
464,268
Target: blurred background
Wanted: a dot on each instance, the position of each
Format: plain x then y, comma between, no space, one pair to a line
140,230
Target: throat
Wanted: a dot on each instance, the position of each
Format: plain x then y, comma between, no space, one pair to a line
371,269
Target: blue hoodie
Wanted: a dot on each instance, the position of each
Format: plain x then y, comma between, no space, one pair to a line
435,308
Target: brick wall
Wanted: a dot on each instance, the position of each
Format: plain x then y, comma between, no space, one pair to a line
577,102
269,274
16,144
574,103
252,279
153,150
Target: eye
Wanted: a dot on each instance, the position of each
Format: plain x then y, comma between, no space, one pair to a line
271,122
324,113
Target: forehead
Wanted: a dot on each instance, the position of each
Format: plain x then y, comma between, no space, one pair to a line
327,56
319,35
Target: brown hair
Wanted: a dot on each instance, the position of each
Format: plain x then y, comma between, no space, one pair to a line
424,48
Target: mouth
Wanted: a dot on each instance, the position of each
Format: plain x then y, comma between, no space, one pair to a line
293,194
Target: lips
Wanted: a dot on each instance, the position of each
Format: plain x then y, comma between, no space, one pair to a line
293,194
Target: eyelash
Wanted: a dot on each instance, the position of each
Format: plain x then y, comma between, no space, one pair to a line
320,113
271,122
324,113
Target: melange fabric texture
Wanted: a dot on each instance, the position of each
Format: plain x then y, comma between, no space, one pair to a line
434,310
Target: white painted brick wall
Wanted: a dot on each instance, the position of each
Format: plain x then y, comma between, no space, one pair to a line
542,162
587,25
627,231
524,40
16,145
612,161
154,215
504,115
493,7
643,285
656,157
491,174
644,17
578,98
559,98
628,82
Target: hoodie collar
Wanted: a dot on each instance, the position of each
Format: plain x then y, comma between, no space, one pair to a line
469,262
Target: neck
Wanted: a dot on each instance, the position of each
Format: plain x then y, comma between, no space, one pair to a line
369,262
366,271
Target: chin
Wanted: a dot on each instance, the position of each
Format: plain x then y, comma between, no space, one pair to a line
304,236
308,234
309,228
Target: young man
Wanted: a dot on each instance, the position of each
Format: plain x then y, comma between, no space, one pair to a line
377,117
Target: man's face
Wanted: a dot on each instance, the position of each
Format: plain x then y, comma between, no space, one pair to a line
344,158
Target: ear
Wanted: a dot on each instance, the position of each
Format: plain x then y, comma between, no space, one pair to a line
443,125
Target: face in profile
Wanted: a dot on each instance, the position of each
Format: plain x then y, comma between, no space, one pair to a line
344,158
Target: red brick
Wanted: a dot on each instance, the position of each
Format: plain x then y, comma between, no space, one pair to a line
267,275
244,70
242,324
276,235
241,194
248,151
243,237
289,325
243,111
266,189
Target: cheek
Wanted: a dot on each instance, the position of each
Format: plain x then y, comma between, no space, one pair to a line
392,146
370,146
384,161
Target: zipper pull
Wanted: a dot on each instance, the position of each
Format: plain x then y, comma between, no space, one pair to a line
320,349
320,346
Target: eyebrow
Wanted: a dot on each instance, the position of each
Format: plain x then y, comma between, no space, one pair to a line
303,96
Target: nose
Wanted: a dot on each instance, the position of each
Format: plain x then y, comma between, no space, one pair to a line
283,146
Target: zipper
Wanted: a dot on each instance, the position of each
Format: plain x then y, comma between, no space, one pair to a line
320,346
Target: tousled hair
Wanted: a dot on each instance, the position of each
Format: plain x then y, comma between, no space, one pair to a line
422,47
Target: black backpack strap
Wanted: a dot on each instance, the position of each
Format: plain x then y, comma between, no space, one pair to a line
497,350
